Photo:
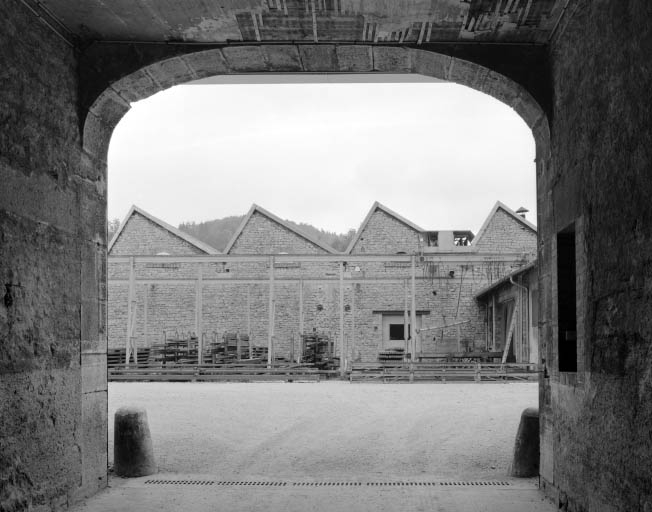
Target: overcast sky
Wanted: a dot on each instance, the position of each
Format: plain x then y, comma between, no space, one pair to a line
439,154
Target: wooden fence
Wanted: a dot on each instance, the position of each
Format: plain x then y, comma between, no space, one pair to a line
213,372
443,372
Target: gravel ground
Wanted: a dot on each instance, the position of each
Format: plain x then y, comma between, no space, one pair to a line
330,430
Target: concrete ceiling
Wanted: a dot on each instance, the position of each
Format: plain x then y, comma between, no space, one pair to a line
219,21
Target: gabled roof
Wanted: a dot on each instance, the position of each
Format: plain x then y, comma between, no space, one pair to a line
509,211
177,232
255,208
391,213
497,284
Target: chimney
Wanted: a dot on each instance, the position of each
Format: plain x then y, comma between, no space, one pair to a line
522,211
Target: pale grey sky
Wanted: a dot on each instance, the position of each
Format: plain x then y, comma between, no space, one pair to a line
439,154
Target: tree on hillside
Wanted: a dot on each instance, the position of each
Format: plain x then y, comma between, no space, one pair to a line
112,226
217,233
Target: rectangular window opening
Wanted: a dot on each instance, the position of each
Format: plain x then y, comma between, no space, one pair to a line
396,332
566,300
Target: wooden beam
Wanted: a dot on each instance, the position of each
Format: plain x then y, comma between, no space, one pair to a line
270,323
413,322
212,281
493,322
342,367
461,257
146,308
300,356
199,314
251,355
352,346
406,318
443,326
510,334
131,314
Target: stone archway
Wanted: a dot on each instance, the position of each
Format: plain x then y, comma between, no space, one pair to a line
110,102
107,107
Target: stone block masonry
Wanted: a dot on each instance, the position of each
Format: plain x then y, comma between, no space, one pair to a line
238,301
504,233
261,235
52,229
235,288
384,234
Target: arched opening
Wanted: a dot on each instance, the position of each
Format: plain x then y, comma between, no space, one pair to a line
108,109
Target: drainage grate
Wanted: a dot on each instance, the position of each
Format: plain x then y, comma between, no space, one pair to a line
214,482
476,483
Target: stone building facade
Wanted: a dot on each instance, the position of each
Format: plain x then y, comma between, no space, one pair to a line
183,286
512,314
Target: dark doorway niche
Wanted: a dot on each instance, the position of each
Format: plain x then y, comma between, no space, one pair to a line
566,300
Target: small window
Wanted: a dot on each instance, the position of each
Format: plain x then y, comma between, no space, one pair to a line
396,332
462,238
566,300
433,238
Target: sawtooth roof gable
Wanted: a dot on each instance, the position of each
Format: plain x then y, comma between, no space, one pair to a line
306,239
193,242
491,234
365,223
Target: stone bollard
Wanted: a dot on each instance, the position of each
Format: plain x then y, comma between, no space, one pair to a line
526,446
132,448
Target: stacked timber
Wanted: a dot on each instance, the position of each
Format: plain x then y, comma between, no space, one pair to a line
233,347
317,351
116,356
392,355
176,348
259,353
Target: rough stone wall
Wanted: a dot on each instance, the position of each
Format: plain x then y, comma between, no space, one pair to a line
263,235
142,236
385,234
52,248
506,234
371,289
596,422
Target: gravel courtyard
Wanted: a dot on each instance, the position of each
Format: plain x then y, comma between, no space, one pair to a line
330,430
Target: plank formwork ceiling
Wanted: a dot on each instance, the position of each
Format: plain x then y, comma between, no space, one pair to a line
221,21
